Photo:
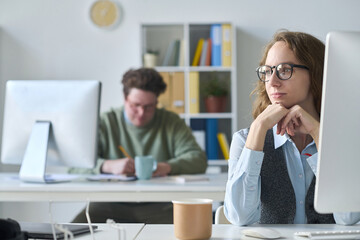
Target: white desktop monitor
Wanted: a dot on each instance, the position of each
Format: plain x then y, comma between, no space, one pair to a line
49,122
338,174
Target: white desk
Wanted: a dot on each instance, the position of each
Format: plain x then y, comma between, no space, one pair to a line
228,231
162,189
106,232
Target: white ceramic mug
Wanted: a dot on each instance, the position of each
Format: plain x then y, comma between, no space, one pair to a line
144,167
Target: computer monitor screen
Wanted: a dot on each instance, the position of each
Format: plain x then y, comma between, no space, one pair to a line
50,122
338,174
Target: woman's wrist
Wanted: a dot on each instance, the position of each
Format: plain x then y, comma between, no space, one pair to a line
315,134
256,137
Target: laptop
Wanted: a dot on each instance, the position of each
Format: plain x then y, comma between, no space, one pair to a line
44,230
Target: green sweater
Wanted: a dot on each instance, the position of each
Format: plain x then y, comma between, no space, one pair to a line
166,137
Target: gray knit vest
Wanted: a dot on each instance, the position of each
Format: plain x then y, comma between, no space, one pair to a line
277,193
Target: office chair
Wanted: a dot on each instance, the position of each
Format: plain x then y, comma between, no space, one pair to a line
220,216
10,230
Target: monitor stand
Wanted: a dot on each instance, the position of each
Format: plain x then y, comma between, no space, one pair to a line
33,167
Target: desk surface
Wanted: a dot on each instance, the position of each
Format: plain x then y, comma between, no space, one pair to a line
162,189
228,231
105,231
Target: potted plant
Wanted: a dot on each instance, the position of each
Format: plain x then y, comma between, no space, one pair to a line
215,93
150,58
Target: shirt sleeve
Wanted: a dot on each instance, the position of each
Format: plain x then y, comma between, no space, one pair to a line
348,218
242,197
188,156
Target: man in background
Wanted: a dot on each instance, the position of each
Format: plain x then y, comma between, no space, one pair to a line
142,129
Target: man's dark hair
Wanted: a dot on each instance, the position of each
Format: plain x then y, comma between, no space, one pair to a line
146,79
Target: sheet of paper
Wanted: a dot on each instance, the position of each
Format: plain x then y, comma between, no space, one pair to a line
110,177
52,178
190,178
60,177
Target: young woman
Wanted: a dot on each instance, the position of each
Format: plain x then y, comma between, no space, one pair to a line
272,163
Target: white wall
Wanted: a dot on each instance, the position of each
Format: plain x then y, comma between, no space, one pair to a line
54,39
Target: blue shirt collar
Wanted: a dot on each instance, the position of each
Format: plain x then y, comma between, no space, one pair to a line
281,140
278,139
127,120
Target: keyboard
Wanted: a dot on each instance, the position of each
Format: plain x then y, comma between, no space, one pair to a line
337,234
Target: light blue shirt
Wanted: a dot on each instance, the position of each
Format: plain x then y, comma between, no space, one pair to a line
243,189
127,120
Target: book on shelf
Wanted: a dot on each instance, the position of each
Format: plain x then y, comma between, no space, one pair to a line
197,54
176,53
198,124
165,100
172,53
206,134
181,53
194,92
200,137
168,53
178,92
216,39
226,45
211,138
198,127
208,53
173,99
224,145
203,53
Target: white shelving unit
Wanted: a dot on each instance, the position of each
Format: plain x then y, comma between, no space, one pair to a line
157,37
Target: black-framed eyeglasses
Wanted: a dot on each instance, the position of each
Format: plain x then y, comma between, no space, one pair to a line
283,71
146,108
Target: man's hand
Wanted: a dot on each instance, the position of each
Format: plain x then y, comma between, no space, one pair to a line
119,166
163,169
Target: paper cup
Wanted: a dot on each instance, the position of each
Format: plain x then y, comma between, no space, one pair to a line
193,218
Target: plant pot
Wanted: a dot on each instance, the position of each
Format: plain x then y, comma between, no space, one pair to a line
150,60
215,104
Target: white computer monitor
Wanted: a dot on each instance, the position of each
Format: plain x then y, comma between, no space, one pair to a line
49,122
338,174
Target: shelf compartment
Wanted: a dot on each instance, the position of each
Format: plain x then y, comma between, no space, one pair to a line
160,38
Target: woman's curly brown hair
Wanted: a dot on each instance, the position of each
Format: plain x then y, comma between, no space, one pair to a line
309,51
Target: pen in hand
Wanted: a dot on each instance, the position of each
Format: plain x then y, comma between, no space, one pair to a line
124,152
128,156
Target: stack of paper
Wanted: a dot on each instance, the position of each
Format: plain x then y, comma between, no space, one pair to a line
190,178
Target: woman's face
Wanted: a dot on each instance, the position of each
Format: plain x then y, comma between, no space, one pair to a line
294,91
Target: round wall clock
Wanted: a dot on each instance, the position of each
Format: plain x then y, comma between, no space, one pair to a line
105,13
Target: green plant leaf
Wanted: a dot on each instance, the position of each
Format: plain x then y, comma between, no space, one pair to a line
215,87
